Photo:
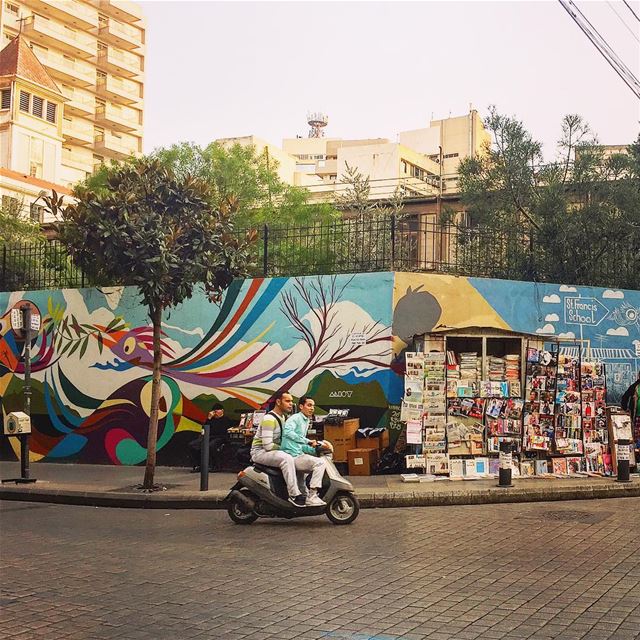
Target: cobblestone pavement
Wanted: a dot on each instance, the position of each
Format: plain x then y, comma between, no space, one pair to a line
547,570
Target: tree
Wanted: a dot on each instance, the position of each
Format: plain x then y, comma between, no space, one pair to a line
245,183
159,232
366,238
574,219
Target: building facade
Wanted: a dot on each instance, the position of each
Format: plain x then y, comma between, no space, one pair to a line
89,77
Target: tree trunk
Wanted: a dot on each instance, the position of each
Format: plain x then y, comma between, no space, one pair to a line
156,319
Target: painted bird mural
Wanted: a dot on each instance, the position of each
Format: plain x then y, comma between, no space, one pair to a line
218,361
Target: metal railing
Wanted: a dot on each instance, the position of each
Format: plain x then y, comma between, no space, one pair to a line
381,243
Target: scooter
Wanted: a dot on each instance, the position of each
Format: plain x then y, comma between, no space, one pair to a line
261,492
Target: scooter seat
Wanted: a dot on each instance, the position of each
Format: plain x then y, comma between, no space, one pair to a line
270,471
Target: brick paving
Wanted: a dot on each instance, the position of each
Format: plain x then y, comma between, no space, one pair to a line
565,570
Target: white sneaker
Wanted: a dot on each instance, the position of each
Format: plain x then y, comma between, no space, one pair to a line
313,500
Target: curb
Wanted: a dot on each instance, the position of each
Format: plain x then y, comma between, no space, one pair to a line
215,499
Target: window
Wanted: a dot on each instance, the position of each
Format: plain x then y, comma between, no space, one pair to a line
52,107
10,204
69,60
404,167
103,21
37,106
101,77
102,48
12,8
36,212
98,134
5,102
25,100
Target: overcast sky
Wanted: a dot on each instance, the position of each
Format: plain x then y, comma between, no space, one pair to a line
221,69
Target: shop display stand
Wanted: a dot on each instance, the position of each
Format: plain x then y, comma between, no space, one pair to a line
539,408
594,419
568,438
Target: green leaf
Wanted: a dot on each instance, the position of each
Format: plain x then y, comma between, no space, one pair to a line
85,343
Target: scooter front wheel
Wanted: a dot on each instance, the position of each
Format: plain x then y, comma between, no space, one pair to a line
239,512
343,509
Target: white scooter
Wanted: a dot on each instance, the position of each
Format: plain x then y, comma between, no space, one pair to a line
261,492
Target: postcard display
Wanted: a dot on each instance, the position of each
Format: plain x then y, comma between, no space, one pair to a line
423,407
559,427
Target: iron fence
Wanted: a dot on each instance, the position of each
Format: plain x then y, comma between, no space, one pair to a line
382,243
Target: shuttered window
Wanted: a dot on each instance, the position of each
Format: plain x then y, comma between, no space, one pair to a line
25,99
38,106
6,99
51,111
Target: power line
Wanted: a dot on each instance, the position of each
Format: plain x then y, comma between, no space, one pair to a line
629,29
635,15
602,46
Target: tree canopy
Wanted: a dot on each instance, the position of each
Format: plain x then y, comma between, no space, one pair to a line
148,227
576,219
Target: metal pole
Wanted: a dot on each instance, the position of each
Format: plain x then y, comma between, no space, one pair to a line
622,456
265,251
204,458
506,457
393,241
24,440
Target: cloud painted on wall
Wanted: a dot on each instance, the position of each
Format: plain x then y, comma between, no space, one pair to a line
566,289
552,317
567,334
548,328
610,293
620,331
552,299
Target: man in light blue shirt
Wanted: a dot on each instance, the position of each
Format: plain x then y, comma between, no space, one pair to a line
295,442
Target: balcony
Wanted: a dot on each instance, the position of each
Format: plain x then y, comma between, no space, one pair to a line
69,11
119,9
75,72
70,159
116,118
119,35
120,63
79,132
112,147
119,91
51,34
78,104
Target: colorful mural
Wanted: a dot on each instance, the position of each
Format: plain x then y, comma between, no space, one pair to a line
339,338
324,335
606,322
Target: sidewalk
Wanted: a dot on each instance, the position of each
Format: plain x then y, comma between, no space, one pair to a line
115,486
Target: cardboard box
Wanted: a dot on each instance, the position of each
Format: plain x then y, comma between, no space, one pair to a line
378,442
342,437
361,461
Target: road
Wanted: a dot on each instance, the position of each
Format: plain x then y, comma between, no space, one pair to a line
547,570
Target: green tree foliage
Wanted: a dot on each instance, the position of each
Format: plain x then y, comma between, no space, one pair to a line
26,254
147,227
575,220
245,183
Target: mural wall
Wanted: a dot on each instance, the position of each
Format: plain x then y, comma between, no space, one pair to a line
92,360
605,321
339,338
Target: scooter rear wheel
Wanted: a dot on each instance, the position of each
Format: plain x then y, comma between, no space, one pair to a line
239,513
343,509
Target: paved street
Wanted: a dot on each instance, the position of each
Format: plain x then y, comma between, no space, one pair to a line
545,570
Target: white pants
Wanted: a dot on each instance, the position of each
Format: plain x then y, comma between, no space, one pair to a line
284,461
311,464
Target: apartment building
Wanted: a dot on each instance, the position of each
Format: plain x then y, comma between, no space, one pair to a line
84,60
422,162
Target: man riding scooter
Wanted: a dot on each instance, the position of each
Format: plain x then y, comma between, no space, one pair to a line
295,442
265,448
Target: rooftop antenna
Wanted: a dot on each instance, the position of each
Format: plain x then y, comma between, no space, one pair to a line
317,121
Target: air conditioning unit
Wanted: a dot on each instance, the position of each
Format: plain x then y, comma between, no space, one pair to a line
17,423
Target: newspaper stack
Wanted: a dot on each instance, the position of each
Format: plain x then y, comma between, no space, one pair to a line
469,366
497,368
512,368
